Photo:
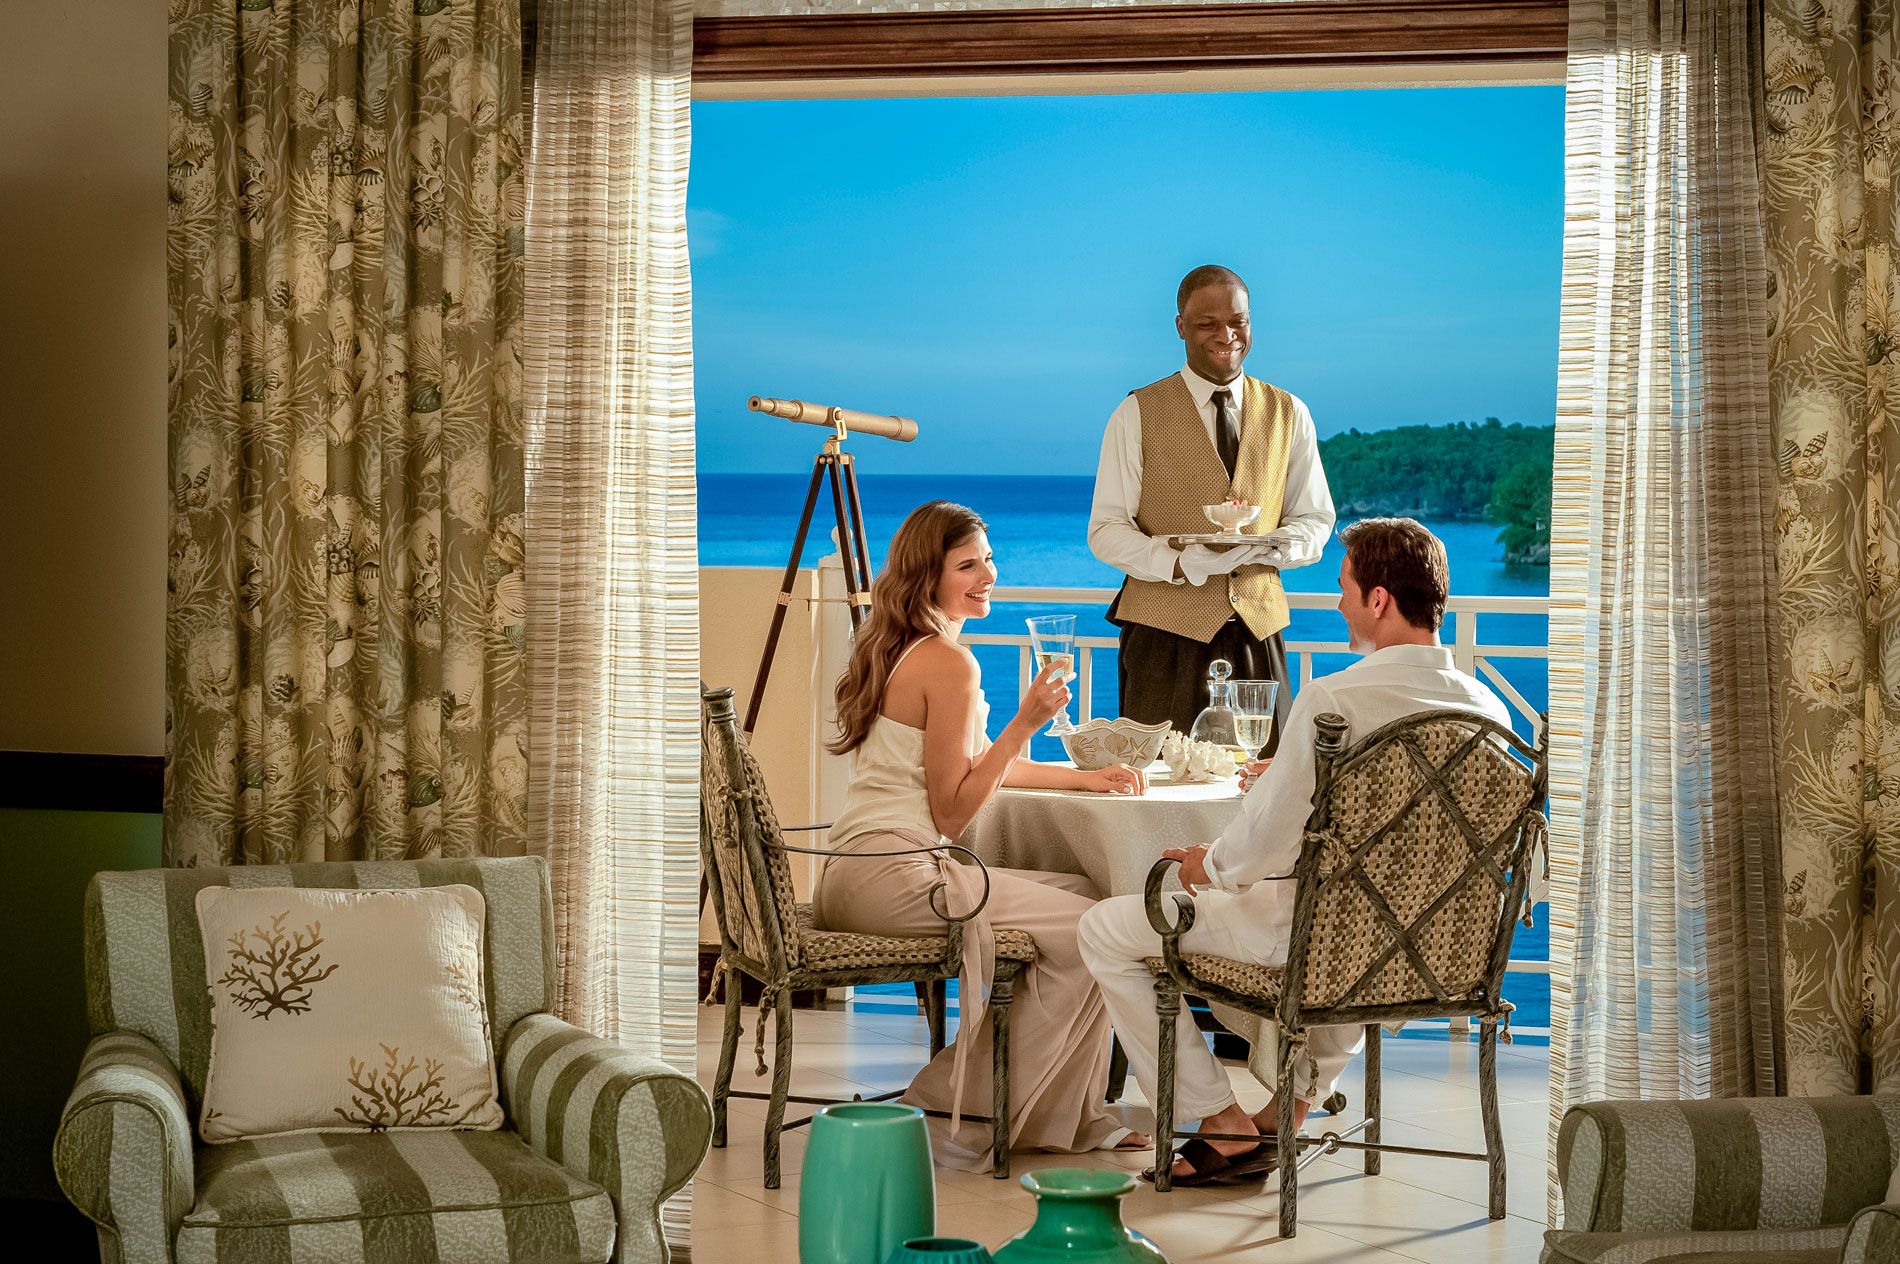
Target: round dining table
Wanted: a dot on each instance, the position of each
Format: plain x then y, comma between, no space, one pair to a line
1114,839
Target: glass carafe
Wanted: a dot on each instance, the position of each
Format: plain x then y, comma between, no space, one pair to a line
1216,722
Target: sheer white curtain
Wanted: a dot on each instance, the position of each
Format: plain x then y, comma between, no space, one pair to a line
614,598
1665,932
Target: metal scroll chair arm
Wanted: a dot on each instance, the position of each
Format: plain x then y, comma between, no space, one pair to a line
938,904
1170,932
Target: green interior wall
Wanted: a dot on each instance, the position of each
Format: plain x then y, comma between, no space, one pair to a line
50,856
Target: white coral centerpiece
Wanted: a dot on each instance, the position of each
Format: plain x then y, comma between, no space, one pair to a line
1190,760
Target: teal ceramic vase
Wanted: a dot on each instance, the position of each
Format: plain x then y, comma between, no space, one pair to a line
1079,1221
940,1251
866,1186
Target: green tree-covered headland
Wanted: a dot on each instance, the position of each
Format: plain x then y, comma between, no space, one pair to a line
1478,473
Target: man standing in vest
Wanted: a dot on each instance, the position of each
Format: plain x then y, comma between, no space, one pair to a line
1197,437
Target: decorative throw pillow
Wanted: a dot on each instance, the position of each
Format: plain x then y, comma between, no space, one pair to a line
345,1011
1893,1187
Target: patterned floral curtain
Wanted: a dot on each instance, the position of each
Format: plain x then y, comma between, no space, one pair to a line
1833,126
1665,953
345,649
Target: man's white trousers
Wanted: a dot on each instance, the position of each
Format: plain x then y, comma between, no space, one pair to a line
1116,939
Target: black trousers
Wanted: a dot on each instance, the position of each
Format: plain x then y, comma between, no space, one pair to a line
1164,676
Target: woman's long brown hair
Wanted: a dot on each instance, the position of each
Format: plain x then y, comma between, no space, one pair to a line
903,609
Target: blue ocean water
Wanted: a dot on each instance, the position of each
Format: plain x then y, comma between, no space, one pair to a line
1038,531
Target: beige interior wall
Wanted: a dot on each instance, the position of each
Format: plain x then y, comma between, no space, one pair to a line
82,377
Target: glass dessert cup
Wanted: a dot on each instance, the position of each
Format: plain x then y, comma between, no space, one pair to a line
1232,516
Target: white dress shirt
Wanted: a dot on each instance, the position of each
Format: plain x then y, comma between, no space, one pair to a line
1306,514
1251,863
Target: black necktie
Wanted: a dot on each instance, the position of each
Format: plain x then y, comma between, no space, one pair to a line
1226,430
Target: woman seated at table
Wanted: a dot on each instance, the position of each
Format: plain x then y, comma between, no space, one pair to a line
911,710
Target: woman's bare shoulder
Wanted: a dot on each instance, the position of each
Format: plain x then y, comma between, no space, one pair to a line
936,663
941,658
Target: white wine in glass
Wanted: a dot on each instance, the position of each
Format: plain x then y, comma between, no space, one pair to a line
1253,715
1253,732
1052,641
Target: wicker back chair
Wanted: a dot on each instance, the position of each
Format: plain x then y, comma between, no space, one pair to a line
766,935
1413,871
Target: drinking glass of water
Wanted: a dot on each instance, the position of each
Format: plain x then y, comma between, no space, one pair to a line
1052,640
1253,714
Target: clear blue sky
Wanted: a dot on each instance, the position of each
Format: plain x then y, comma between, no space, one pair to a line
1004,269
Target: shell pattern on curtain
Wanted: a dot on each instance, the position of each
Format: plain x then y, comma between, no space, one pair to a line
346,606
1832,72
1664,949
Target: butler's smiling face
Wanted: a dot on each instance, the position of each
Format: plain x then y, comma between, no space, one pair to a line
1217,330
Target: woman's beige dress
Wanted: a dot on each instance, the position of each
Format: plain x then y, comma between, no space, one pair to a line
1058,1027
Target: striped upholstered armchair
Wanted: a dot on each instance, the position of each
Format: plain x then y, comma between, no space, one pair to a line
1773,1180
596,1137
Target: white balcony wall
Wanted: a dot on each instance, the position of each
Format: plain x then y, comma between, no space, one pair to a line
736,605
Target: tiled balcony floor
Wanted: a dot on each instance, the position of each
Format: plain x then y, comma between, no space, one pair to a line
1418,1209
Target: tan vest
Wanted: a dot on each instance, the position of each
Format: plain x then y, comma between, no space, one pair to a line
1181,472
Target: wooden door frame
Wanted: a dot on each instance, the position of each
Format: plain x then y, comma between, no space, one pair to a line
1136,39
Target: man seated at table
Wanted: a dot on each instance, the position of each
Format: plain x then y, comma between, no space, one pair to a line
1392,589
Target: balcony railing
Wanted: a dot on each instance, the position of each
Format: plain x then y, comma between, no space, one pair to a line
1470,655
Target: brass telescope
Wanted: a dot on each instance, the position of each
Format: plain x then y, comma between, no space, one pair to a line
902,429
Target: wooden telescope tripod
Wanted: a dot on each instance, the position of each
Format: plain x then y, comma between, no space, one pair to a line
835,466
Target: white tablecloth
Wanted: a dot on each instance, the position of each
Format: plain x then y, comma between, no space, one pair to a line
1113,838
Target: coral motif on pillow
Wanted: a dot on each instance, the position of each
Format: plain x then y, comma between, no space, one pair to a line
270,971
345,1011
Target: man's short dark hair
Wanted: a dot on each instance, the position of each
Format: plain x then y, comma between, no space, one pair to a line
1206,274
1408,561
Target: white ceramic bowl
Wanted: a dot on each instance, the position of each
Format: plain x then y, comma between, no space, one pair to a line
1231,517
1100,743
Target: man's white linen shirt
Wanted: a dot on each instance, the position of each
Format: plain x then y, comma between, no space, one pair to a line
1263,842
1306,513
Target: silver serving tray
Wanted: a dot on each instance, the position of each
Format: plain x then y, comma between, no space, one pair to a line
1218,537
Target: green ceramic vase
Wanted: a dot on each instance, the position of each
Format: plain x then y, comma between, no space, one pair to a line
940,1251
1079,1221
866,1186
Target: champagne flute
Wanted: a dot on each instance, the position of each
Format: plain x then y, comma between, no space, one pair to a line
1052,638
1253,714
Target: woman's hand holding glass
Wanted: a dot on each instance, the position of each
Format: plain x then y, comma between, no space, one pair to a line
1116,779
1048,696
